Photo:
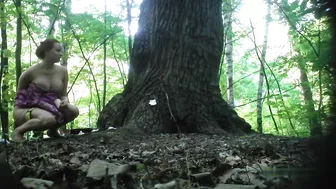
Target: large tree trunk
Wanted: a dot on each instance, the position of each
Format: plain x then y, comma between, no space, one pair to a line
173,84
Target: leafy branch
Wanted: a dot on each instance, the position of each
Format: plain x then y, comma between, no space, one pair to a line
59,9
87,59
297,30
24,22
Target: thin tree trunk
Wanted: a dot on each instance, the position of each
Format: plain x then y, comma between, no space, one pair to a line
18,43
104,61
66,42
129,22
52,21
266,79
3,71
314,124
262,68
121,70
66,32
173,83
104,74
53,16
229,54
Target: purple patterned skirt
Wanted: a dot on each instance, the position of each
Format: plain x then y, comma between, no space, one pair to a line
36,97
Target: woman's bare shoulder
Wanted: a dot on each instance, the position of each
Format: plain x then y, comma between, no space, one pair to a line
61,68
31,69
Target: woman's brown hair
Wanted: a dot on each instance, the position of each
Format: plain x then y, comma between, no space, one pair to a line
45,46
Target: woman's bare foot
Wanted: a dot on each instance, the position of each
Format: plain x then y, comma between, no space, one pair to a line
17,136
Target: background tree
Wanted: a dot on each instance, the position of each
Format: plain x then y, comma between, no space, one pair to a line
307,43
18,49
262,69
66,32
4,69
172,82
228,7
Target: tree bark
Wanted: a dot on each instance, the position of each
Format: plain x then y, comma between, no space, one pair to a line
172,83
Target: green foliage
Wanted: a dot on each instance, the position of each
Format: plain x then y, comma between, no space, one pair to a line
310,44
7,53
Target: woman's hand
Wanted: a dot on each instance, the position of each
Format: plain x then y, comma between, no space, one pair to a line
63,103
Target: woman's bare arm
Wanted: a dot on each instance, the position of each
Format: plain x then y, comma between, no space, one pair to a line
25,79
64,94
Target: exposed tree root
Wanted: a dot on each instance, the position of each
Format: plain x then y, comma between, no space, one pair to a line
172,110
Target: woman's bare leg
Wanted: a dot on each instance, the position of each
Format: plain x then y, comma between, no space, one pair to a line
27,126
40,120
70,112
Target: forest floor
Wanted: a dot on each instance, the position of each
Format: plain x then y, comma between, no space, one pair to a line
131,159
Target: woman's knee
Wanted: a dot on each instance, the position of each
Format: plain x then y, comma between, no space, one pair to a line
71,113
19,116
45,117
74,111
48,120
